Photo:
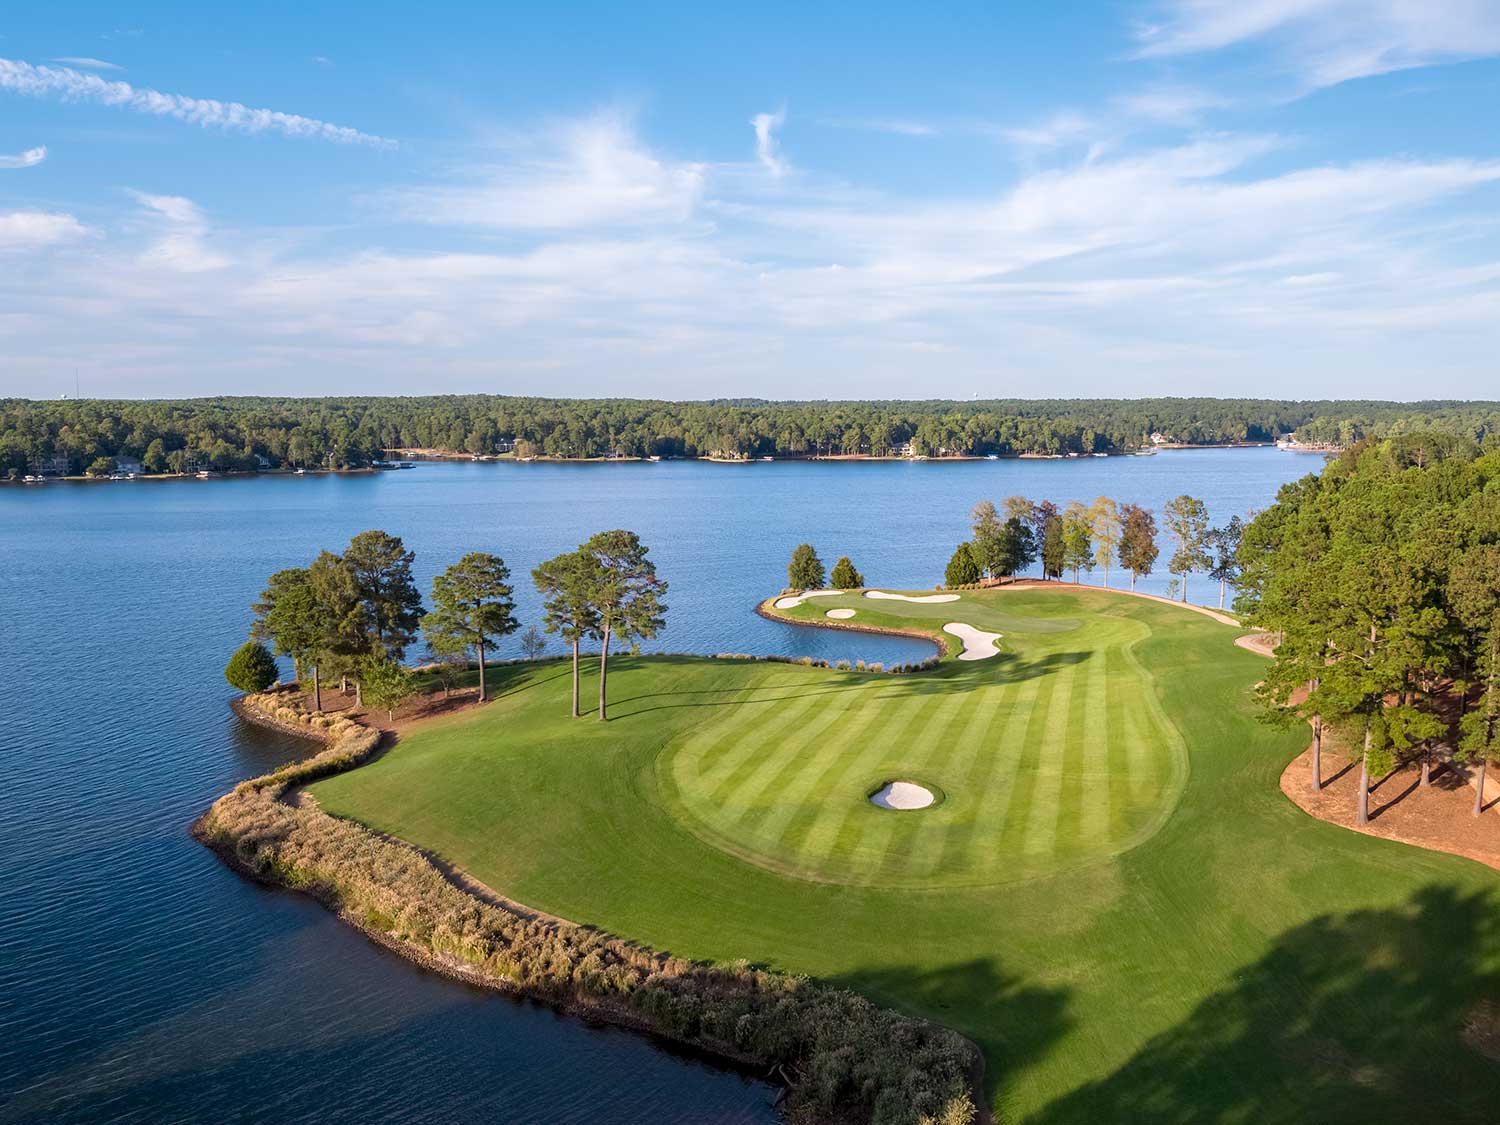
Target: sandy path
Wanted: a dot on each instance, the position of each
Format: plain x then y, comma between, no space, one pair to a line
978,645
793,602
881,594
840,614
902,795
1258,643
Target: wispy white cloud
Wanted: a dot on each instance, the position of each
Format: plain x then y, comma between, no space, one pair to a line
1168,105
87,63
74,85
572,175
28,159
1330,41
1063,127
767,148
180,235
28,229
900,126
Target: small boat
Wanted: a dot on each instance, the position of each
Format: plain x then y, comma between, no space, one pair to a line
1098,454
653,458
992,456
208,474
298,472
768,458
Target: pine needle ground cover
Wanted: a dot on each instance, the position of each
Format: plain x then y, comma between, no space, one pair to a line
1111,896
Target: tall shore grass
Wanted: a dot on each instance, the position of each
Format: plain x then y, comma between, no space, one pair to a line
843,1058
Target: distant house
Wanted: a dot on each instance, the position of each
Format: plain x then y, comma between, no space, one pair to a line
127,465
60,464
262,462
1159,438
505,445
905,449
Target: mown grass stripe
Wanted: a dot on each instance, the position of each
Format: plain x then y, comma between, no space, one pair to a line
832,837
1028,768
810,778
919,839
793,753
1046,795
1094,786
798,833
1076,734
883,846
968,749
991,781
734,766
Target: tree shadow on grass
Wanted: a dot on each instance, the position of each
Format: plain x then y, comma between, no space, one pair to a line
948,678
1021,1022
1356,1017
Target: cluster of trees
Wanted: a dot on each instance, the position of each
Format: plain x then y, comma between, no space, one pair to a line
353,615
231,433
1380,580
1020,532
805,572
1472,421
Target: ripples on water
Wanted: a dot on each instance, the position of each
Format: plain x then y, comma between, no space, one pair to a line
142,981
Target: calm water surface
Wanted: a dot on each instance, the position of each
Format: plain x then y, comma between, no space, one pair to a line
140,980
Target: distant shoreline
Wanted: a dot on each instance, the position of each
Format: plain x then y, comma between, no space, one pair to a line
415,456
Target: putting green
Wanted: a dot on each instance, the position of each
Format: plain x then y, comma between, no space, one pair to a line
1053,753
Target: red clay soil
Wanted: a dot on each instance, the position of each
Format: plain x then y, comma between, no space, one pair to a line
414,710
1439,817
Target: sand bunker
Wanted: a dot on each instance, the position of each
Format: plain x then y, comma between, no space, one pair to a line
902,795
908,598
840,614
792,602
978,645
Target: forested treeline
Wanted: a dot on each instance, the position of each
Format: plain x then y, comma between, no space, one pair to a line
74,436
1357,422
1380,582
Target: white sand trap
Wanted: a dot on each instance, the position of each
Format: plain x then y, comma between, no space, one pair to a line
791,603
902,795
881,594
840,614
978,645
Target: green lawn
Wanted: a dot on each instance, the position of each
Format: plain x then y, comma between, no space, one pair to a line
1113,898
1053,752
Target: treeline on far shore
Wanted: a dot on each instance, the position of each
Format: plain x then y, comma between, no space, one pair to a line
100,437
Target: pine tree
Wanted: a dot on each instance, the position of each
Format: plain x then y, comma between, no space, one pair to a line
625,594
844,576
805,572
566,584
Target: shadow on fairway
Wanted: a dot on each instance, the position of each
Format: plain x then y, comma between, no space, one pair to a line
1354,1017
1033,1018
950,677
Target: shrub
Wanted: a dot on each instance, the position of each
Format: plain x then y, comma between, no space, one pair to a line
252,668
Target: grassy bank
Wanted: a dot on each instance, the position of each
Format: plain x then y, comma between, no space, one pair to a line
1210,954
843,1058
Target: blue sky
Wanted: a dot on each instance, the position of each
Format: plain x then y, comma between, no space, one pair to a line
1289,198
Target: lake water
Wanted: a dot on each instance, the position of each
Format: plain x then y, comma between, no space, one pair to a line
142,981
